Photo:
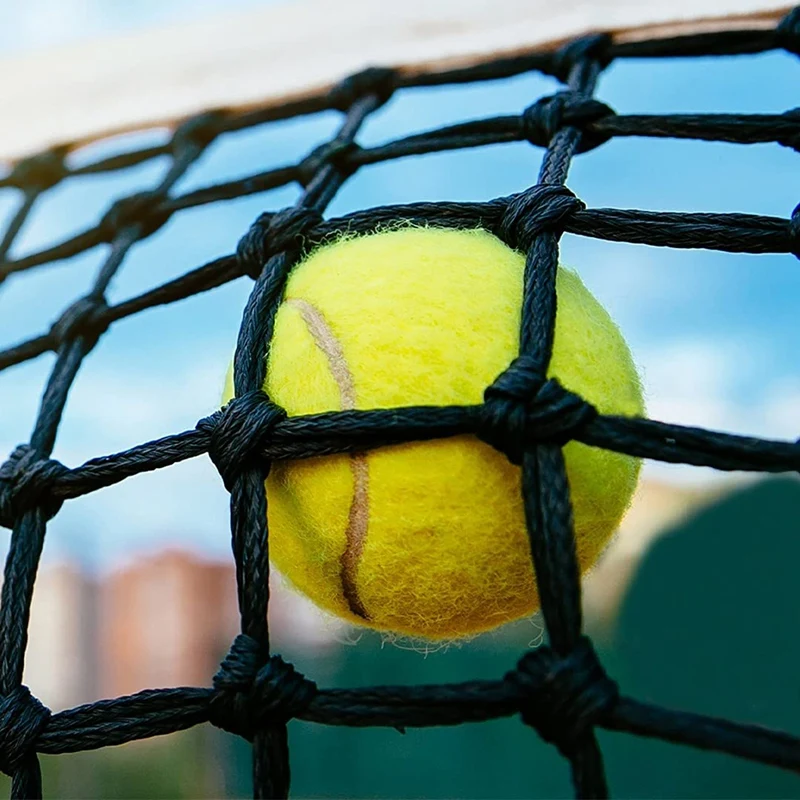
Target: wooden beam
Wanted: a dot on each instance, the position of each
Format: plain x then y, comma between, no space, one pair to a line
267,56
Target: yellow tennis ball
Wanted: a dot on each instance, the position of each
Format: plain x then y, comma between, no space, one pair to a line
429,538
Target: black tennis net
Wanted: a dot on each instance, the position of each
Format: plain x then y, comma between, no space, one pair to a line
561,689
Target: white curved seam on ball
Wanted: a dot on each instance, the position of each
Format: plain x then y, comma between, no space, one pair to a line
358,518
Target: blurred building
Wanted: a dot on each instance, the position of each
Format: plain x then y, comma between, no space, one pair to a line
169,618
61,663
166,620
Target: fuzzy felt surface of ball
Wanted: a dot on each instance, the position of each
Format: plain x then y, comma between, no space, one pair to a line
428,539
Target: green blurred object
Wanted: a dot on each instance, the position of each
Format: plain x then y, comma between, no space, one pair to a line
710,625
491,759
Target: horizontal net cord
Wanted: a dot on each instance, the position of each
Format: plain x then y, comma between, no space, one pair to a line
338,432
739,233
157,712
536,128
735,128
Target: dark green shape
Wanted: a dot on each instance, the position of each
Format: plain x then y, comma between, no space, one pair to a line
710,625
502,758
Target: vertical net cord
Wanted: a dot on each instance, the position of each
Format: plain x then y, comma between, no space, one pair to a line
32,176
249,534
548,510
29,197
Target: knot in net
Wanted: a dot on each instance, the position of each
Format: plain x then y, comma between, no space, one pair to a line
275,233
545,207
86,317
38,172
22,719
143,212
522,407
198,131
792,137
26,481
238,433
788,32
794,230
252,690
595,47
547,116
336,153
563,696
377,82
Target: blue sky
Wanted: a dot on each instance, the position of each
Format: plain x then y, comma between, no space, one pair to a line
715,335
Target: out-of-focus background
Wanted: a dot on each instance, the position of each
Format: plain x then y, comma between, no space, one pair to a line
694,606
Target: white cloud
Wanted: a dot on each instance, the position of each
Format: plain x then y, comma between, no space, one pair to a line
699,382
691,382
702,383
781,411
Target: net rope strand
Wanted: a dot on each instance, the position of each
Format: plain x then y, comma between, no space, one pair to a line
560,690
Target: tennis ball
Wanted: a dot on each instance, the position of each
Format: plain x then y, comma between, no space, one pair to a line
429,539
